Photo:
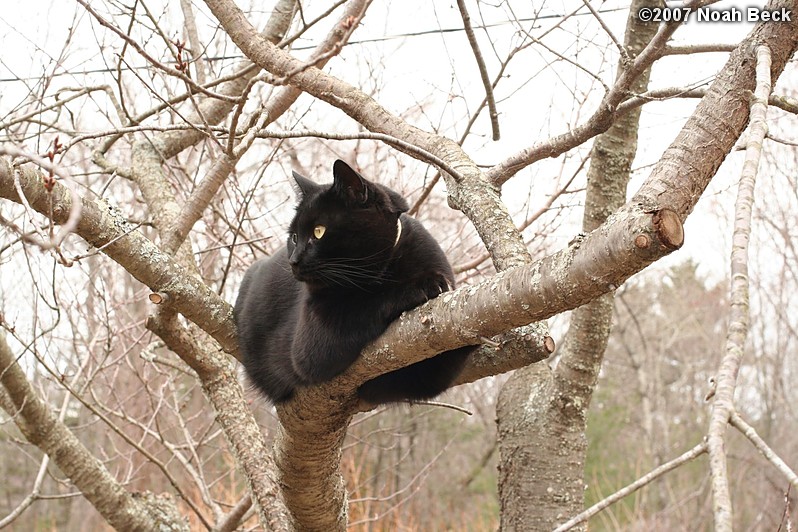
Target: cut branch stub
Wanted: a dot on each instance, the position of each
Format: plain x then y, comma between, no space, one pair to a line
548,344
158,298
669,228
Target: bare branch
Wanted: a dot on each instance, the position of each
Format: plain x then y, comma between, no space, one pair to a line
166,68
234,517
599,122
220,383
625,59
689,49
225,164
193,38
740,424
726,379
690,455
785,103
483,69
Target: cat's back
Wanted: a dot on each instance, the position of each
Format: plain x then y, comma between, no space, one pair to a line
419,252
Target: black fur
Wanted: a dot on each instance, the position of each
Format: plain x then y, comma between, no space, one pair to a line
305,313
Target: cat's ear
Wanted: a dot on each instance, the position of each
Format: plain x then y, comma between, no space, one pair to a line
350,185
302,185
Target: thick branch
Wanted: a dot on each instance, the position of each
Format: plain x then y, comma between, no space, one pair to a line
274,108
103,226
688,165
213,110
626,244
586,269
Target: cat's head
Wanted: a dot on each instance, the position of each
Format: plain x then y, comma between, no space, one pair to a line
344,233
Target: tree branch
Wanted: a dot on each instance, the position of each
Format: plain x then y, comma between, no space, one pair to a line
692,454
599,122
274,108
740,424
483,69
471,194
726,379
245,439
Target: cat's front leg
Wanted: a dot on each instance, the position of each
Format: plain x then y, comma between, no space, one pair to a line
322,349
416,293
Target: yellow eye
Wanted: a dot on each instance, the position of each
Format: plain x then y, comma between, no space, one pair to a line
318,231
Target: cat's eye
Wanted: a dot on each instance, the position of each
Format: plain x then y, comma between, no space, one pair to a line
293,238
318,231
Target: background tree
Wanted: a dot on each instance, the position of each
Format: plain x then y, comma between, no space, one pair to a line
134,196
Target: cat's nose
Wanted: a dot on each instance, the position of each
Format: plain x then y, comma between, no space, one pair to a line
293,260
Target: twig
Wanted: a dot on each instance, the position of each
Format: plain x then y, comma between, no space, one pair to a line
483,69
740,424
58,103
443,405
225,164
625,59
599,122
31,497
696,451
785,103
54,241
331,48
166,68
388,139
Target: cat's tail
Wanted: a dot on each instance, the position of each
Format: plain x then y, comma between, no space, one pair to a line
416,382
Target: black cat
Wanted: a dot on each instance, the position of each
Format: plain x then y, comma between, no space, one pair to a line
353,263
